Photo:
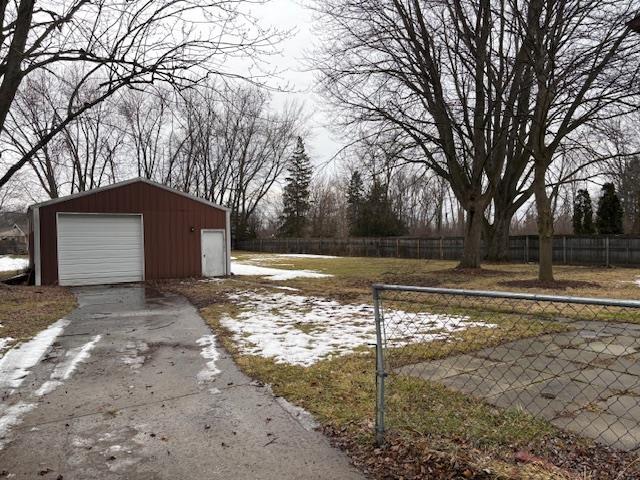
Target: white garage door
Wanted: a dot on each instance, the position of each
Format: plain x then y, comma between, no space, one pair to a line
100,249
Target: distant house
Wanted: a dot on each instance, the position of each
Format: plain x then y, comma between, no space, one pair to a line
13,241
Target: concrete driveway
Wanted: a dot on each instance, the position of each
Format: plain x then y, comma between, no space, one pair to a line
134,388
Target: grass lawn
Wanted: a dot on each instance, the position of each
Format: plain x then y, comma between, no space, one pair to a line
24,311
444,434
354,275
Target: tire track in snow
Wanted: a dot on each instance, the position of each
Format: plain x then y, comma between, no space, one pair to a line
63,371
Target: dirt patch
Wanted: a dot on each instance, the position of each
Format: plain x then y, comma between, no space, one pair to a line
556,285
200,293
474,272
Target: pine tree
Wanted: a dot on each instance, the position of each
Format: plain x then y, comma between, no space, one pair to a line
609,215
377,218
296,203
355,200
583,214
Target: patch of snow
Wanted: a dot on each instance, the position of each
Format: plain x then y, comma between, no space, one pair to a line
132,354
15,364
47,387
303,417
289,289
211,280
4,342
80,442
64,370
12,416
302,330
274,273
209,352
9,264
637,281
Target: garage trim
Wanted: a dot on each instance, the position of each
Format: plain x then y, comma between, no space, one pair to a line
58,214
36,245
128,182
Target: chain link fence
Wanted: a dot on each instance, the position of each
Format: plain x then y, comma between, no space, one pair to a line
496,368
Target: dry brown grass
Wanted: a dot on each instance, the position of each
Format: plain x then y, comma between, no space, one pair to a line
353,276
24,311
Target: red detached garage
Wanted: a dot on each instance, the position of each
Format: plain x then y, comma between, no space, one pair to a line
127,232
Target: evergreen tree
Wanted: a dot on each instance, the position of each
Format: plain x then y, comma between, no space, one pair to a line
377,218
355,200
296,203
609,215
583,214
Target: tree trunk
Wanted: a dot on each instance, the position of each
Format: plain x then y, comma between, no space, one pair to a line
472,254
497,237
545,228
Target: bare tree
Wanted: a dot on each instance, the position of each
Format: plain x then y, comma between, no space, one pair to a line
147,116
328,212
232,148
82,156
586,64
117,44
491,93
448,76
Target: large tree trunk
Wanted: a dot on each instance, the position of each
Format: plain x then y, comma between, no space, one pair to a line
545,228
472,254
497,237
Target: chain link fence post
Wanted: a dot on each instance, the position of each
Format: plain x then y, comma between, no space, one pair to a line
380,373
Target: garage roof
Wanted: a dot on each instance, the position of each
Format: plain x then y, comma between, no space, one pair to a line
128,182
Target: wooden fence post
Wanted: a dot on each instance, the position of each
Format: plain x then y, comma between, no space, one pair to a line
606,250
526,249
564,249
441,249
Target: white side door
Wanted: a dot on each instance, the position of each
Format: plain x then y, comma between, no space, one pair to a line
214,253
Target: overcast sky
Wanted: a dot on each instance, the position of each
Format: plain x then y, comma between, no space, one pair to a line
322,145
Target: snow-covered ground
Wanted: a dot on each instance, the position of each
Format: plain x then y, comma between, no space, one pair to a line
9,264
239,268
4,343
65,369
266,266
302,330
209,353
18,361
15,364
12,416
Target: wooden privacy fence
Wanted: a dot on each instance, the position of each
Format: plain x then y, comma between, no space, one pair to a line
569,249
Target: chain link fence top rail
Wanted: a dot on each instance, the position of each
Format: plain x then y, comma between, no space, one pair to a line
497,368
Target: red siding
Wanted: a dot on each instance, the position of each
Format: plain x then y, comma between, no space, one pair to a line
171,249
